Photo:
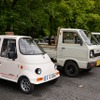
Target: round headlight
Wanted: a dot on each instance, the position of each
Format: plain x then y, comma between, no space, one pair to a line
38,71
91,54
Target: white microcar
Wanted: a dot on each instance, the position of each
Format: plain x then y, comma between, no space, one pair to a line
24,62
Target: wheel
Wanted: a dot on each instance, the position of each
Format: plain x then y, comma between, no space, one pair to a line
25,85
71,69
53,81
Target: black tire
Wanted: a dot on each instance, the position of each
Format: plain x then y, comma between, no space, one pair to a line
71,69
25,85
53,81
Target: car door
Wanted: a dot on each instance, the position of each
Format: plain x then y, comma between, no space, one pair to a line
71,47
8,67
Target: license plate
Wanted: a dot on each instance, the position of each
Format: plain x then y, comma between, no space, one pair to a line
48,77
98,63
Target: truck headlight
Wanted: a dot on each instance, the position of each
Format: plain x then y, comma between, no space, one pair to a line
38,71
91,53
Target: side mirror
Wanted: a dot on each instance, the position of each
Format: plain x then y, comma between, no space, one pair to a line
12,55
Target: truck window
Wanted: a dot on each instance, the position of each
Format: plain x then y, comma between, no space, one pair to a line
89,38
8,46
71,38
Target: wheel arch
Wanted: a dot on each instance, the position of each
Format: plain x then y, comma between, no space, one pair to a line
70,60
26,74
23,76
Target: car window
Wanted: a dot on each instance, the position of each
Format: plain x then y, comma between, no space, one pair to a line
8,45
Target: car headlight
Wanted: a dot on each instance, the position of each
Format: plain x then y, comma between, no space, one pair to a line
38,71
55,67
91,53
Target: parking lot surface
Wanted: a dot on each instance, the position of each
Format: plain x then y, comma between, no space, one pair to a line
84,87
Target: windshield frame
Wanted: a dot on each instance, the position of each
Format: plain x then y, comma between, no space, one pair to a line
87,37
35,44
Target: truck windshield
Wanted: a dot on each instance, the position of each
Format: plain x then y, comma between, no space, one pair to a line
28,47
89,38
97,37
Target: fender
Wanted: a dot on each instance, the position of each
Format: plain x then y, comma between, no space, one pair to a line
27,74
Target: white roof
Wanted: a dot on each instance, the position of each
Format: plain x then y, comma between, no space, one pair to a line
70,29
12,36
95,33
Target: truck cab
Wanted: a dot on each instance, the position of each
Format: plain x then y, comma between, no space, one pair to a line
22,61
75,49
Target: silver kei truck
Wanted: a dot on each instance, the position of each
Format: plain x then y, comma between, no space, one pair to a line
74,51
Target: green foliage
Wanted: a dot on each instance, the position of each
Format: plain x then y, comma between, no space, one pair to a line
42,17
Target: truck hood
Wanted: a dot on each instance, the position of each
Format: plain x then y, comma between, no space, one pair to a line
35,59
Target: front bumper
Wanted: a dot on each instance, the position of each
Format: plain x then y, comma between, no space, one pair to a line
91,65
98,63
46,78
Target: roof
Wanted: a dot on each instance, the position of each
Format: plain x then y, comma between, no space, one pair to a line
70,29
12,36
95,33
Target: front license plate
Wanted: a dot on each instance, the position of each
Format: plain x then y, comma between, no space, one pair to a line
48,77
98,63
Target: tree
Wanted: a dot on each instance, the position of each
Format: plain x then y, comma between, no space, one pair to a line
38,18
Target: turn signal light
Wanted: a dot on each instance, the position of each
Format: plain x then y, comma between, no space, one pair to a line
40,79
58,73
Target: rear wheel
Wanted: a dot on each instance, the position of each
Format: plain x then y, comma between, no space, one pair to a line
71,69
25,85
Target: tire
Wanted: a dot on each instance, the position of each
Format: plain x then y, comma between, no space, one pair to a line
25,85
71,69
53,81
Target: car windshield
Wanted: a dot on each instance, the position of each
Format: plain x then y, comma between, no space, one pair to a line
28,47
89,38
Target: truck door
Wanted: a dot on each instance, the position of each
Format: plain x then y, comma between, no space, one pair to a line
72,47
8,67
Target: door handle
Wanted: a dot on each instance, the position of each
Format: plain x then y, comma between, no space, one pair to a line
63,47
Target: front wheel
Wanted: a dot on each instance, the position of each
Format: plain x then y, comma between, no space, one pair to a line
25,85
71,69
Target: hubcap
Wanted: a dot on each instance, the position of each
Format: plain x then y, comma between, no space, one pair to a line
71,70
25,85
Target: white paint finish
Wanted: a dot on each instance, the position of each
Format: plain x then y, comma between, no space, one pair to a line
76,52
11,69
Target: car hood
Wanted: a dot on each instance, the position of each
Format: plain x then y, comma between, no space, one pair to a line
35,59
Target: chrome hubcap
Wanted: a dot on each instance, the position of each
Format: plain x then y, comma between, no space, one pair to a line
71,70
25,85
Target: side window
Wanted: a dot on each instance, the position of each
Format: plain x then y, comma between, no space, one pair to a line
9,45
71,38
